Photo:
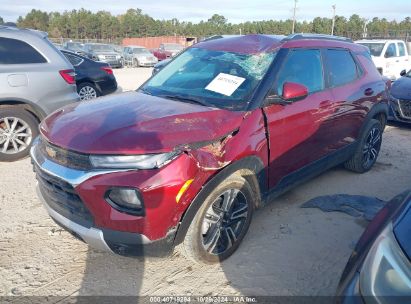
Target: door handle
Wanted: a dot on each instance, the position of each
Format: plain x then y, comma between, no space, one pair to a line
368,92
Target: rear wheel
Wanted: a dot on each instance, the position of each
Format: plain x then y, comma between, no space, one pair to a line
87,91
368,148
221,223
17,130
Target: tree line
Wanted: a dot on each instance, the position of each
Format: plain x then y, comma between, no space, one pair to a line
84,24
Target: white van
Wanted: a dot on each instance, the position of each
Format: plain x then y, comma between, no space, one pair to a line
389,56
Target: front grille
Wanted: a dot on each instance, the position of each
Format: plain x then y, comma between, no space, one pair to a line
62,197
110,57
405,108
63,157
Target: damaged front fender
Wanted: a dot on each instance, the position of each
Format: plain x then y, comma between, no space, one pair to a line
210,156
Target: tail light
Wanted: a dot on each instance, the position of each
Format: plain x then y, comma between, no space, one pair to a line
69,76
108,70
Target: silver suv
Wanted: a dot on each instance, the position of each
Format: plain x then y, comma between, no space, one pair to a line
35,80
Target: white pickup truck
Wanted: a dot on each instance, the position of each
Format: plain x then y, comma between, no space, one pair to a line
390,56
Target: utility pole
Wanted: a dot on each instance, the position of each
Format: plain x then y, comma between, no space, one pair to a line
332,28
295,9
364,28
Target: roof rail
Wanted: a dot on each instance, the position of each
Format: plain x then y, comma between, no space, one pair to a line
316,36
9,26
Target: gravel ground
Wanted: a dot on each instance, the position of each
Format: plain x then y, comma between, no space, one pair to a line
288,250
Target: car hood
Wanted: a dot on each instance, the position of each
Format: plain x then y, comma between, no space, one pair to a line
104,53
135,123
144,55
401,88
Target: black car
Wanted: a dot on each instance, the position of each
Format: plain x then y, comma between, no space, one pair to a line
400,103
93,78
379,269
75,47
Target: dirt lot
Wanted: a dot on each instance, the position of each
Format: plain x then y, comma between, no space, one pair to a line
288,250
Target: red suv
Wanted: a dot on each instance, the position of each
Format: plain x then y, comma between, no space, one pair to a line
219,131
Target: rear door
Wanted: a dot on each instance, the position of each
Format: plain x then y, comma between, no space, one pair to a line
349,93
298,131
20,64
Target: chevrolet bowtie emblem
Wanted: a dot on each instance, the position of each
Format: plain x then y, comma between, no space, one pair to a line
51,152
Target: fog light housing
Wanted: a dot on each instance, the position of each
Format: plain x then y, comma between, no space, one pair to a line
126,200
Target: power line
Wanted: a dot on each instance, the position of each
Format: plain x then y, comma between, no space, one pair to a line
295,9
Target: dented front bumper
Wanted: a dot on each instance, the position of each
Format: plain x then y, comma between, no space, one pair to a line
76,200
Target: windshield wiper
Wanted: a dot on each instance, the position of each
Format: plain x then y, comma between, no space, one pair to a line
145,91
185,99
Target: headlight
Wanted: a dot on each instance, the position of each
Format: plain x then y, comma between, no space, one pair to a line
101,57
386,271
148,161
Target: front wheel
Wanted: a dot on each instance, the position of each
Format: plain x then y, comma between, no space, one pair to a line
368,148
221,223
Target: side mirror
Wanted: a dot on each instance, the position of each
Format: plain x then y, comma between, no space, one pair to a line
294,91
403,72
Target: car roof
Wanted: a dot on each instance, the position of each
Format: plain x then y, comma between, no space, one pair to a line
259,43
22,31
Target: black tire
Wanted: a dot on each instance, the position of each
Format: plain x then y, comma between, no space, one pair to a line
368,149
197,239
136,64
84,86
23,116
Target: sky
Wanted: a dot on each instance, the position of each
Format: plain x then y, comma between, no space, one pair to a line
235,11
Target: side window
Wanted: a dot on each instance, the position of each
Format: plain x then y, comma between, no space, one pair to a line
303,67
391,51
13,51
401,49
74,60
342,68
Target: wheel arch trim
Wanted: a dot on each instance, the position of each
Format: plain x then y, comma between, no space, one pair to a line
27,105
251,168
378,109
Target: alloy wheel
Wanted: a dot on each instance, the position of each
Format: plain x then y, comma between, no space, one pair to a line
224,221
371,147
15,135
87,93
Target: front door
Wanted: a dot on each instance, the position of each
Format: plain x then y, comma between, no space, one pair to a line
298,131
391,61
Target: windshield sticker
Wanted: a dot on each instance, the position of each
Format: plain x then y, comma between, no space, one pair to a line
225,84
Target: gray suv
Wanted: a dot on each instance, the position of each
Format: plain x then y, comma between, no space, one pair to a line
35,80
103,52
